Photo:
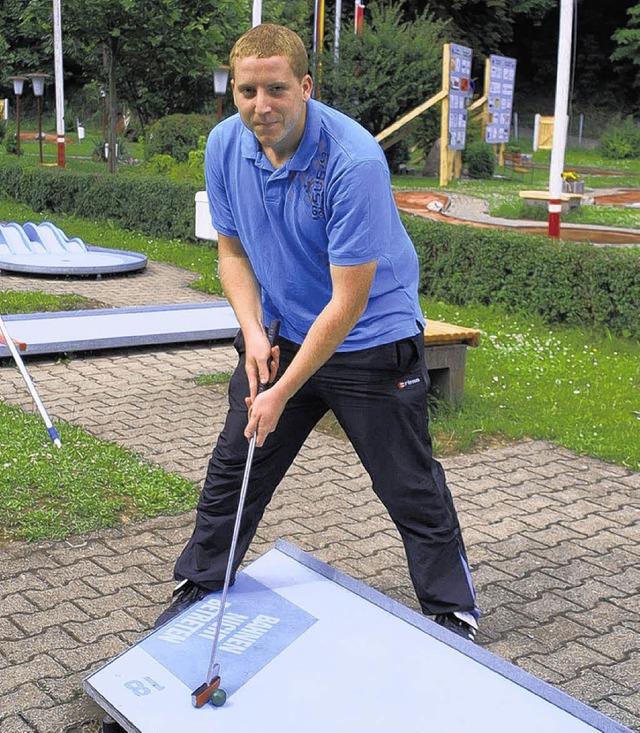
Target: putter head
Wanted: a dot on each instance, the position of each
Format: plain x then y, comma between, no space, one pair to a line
202,694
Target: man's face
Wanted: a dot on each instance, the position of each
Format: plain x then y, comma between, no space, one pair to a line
271,102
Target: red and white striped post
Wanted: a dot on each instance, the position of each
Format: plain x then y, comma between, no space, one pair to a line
561,118
359,18
57,59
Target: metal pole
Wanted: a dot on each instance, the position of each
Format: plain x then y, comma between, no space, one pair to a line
53,433
318,41
580,128
561,118
256,15
39,116
336,45
59,78
18,151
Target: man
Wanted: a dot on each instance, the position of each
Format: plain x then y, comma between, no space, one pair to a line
309,234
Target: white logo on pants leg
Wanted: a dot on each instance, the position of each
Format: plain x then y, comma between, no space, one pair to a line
408,383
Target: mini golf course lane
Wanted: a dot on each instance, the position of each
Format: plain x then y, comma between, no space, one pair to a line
417,203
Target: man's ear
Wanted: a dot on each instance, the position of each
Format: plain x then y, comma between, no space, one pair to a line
307,87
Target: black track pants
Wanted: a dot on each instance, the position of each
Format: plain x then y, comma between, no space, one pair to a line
378,396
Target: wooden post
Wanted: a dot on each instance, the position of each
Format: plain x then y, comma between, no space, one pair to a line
445,166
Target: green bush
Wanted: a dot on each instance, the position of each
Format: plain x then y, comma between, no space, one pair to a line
176,135
479,160
149,204
563,282
397,155
621,139
11,142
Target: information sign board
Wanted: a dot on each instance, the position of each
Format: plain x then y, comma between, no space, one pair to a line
502,80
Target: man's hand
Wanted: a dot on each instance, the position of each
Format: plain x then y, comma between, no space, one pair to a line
264,412
262,368
261,362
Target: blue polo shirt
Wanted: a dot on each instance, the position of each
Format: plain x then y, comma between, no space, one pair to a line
330,204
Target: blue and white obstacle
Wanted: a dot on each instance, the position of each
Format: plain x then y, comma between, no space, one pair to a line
44,249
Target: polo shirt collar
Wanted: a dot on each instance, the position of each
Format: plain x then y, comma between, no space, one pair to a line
306,150
303,156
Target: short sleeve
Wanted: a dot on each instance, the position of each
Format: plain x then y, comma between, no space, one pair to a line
214,173
359,213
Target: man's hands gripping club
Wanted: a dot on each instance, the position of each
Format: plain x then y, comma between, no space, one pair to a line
262,360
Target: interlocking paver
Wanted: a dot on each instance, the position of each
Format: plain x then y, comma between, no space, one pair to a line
552,537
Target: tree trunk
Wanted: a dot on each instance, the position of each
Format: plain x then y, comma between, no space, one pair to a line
113,106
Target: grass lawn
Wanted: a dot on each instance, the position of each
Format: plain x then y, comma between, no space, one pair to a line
573,387
88,484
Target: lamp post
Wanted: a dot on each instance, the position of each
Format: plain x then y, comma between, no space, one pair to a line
220,81
18,87
37,81
103,112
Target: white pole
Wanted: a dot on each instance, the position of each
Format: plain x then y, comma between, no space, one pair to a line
256,16
580,128
57,59
336,46
561,117
53,433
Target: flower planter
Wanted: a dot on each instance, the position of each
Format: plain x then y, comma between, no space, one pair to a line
573,186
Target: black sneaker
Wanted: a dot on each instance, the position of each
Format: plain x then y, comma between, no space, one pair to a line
465,627
185,595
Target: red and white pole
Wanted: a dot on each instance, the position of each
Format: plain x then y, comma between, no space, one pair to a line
561,117
359,18
57,58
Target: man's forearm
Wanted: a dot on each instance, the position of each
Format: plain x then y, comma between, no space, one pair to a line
331,327
242,291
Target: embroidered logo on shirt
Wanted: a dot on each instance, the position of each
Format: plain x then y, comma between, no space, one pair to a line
315,183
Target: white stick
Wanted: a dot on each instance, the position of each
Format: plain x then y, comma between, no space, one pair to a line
53,433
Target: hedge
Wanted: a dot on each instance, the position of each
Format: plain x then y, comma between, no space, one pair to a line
564,282
150,204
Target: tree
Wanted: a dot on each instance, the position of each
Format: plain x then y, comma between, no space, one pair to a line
486,25
628,46
159,55
392,68
21,49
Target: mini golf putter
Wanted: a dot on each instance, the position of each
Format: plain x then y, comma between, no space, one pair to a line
210,690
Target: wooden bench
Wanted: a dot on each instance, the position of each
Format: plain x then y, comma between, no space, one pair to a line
520,164
445,350
541,198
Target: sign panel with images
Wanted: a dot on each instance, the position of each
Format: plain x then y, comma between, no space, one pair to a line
460,90
502,80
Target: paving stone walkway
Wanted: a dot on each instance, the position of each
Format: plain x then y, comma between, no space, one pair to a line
553,538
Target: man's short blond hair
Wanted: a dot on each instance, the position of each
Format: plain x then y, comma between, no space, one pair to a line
267,40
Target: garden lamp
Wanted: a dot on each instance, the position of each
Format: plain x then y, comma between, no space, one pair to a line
37,81
220,81
18,87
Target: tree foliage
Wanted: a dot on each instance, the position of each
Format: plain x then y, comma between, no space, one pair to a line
486,25
628,45
393,67
163,53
